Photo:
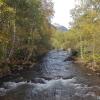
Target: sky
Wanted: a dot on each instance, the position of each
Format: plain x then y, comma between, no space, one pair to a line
62,11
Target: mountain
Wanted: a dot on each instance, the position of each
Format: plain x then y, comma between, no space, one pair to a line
60,27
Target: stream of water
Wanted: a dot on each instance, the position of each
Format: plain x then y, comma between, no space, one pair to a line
53,79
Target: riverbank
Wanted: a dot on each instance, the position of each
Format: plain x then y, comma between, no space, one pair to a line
91,66
88,65
10,71
12,68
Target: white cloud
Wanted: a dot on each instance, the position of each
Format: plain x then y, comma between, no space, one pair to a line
62,11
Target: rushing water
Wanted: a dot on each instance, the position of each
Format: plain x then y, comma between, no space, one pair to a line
53,79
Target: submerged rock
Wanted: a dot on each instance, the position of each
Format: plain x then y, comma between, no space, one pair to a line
69,58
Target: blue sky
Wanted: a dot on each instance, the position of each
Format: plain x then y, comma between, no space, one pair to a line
62,11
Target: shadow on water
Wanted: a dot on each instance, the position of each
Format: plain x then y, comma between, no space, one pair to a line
53,79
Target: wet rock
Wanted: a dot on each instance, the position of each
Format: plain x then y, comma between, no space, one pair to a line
12,85
9,85
2,91
19,79
47,78
69,77
39,80
69,58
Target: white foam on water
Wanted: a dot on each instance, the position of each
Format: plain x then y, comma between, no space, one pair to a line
98,97
87,92
38,87
80,90
7,86
91,94
12,85
51,84
2,91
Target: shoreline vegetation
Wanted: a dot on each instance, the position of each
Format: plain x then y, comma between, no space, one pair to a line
12,69
84,64
25,32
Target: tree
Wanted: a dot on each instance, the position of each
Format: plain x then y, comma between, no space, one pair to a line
86,21
25,23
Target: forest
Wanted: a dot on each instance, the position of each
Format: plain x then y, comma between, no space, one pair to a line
83,35
26,33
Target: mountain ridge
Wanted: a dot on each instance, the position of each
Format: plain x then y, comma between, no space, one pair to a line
60,27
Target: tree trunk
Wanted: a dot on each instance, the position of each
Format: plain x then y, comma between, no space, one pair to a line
13,40
93,52
31,51
81,47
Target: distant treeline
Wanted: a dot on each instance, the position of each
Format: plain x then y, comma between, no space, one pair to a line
84,34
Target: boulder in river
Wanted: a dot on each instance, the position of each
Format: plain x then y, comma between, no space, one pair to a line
70,58
39,80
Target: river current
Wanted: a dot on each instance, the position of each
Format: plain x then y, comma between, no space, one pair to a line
53,79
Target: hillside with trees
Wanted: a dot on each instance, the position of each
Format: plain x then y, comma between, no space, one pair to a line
25,31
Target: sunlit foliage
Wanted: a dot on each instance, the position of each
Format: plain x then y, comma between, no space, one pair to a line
25,28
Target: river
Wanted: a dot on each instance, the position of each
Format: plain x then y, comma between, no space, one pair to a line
53,79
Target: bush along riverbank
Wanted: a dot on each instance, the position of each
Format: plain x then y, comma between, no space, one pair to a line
9,68
93,66
14,67
85,63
